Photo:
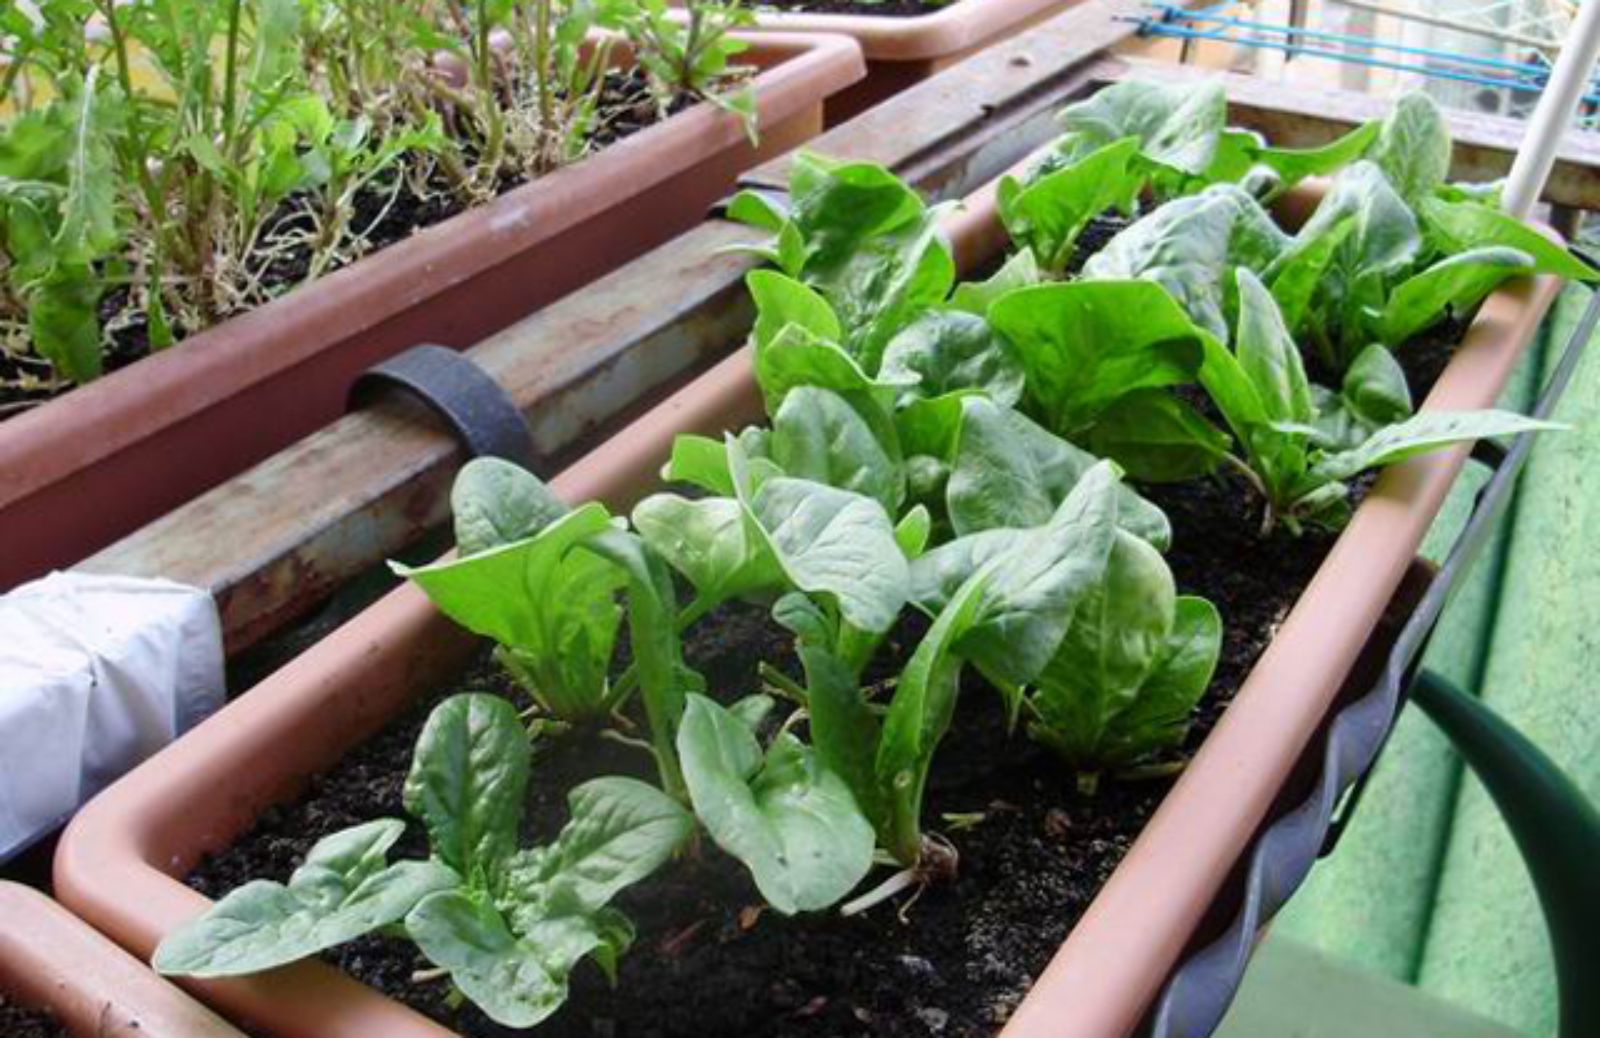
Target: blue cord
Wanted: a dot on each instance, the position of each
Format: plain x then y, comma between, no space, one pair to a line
1171,13
1526,78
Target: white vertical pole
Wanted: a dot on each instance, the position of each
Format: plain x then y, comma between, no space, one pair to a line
1553,115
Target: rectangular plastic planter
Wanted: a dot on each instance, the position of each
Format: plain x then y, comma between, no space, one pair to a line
902,52
144,439
51,960
119,862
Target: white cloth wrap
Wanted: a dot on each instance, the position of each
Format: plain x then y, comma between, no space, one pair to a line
96,674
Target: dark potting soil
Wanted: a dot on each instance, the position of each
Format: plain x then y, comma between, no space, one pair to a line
21,1022
954,962
889,8
626,107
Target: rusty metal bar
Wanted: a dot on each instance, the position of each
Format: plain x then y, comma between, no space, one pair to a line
278,538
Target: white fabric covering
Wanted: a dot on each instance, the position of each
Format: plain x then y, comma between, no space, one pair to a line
96,674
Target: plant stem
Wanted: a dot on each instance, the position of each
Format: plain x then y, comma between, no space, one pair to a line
1269,515
486,93
903,880
230,80
782,683
628,681
543,73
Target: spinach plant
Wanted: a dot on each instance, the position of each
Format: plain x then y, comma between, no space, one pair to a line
1297,455
543,582
507,924
863,239
1132,662
1393,248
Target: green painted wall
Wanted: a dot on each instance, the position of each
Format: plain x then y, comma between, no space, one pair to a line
1427,886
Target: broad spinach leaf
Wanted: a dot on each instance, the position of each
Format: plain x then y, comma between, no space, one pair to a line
1086,344
1178,127
1008,472
1413,147
547,601
948,351
344,890
1190,247
787,817
1046,215
1454,285
468,779
1132,665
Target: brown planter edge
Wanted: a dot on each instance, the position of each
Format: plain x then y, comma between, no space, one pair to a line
960,28
117,860
51,960
902,52
148,437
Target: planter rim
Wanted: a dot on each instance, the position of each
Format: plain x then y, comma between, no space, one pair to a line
135,833
941,34
99,419
50,958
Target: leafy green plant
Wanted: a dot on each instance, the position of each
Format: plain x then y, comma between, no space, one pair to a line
1135,661
1002,602
1393,248
1129,667
958,448
169,163
691,56
543,583
1182,144
1289,446
506,924
864,240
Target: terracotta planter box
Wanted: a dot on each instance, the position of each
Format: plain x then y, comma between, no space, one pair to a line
50,960
120,862
902,52
143,440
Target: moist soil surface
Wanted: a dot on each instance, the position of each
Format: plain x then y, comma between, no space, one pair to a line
953,962
882,8
21,1022
626,107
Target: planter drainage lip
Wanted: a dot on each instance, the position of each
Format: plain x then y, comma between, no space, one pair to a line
118,859
50,959
954,30
102,423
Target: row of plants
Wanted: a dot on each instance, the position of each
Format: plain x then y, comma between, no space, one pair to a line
165,164
971,453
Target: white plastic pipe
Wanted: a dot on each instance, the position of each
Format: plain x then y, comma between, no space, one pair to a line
1553,115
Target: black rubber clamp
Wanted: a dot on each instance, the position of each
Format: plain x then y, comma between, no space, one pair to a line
475,407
